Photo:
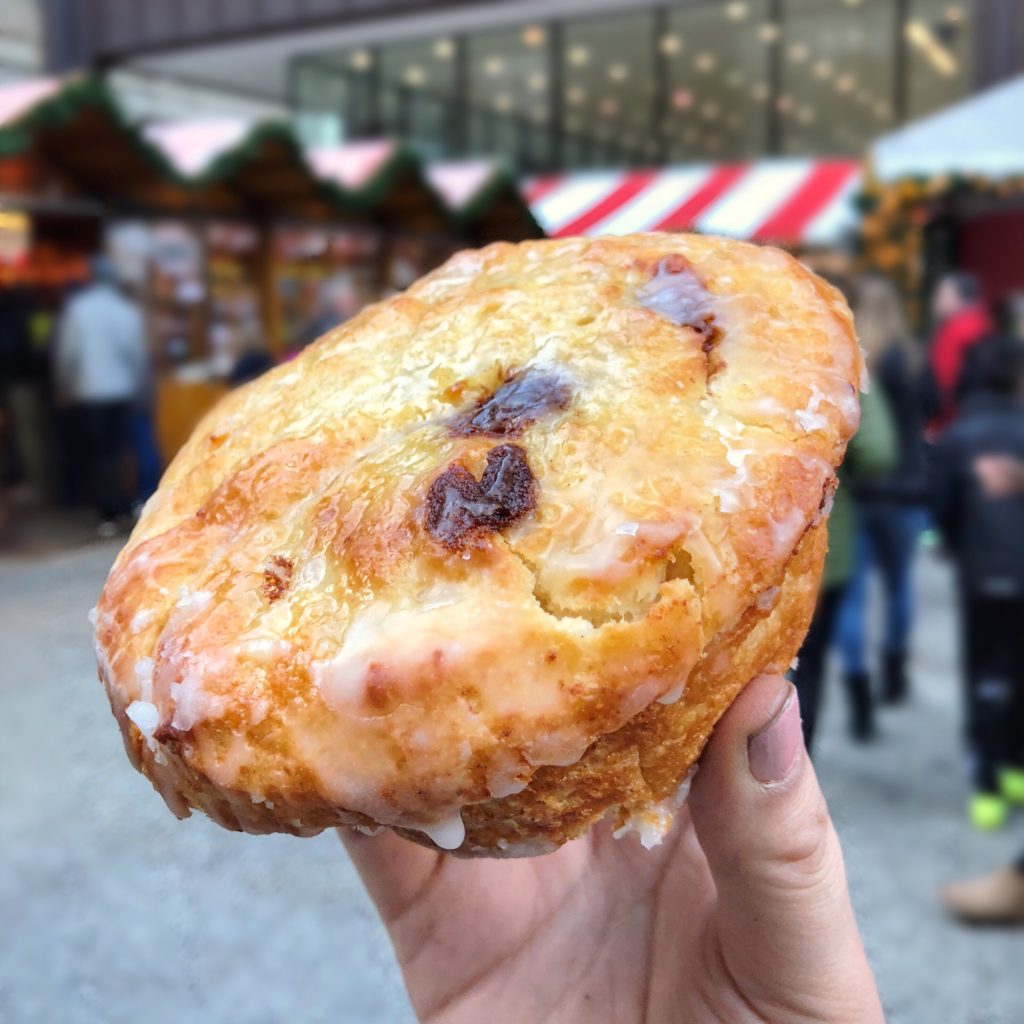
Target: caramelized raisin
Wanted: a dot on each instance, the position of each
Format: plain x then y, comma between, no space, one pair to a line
521,400
462,510
277,577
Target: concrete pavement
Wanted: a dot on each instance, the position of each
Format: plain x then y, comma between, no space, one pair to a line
114,912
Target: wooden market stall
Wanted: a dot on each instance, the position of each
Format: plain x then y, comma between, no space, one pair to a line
238,227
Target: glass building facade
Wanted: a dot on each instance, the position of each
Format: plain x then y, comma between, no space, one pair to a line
722,80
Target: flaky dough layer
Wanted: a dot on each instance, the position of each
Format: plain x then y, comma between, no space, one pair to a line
487,563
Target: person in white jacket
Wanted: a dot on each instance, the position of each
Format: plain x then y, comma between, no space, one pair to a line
101,366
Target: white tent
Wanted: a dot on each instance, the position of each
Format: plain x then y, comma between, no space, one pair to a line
984,135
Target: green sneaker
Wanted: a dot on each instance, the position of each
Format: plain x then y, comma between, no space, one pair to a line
987,811
1011,784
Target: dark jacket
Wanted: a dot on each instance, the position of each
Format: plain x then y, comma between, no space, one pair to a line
984,534
907,481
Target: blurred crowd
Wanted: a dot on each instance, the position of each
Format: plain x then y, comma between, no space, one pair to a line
938,459
76,422
78,392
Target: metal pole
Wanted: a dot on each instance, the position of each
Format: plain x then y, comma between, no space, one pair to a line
774,128
900,63
660,63
556,94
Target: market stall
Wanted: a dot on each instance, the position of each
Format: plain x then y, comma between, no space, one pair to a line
239,240
947,192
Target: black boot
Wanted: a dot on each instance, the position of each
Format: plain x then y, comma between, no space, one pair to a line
862,714
895,688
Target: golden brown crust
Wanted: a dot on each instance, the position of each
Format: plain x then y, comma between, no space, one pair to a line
495,555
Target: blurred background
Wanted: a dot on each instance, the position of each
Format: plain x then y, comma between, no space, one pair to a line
192,191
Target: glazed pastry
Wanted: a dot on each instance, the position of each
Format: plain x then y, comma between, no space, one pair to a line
486,564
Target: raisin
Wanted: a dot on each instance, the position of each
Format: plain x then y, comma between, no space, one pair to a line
277,577
676,293
709,332
462,510
520,401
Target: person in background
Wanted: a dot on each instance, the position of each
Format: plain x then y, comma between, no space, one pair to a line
872,452
978,498
250,364
963,320
100,368
339,301
890,507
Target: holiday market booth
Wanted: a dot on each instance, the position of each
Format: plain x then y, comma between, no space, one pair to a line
227,229
947,193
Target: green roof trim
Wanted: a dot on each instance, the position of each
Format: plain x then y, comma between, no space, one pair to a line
83,93
80,94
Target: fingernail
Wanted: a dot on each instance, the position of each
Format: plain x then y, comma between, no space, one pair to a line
773,750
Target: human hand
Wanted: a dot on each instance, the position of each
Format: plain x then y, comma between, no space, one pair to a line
741,915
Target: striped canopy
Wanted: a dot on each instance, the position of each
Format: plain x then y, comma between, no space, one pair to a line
791,201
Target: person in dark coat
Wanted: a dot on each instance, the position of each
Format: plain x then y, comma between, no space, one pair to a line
891,505
977,487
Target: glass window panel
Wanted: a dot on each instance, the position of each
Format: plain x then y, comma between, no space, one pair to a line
321,96
424,65
717,60
938,50
508,81
609,80
837,75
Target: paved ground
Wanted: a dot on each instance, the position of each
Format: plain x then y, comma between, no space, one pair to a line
114,912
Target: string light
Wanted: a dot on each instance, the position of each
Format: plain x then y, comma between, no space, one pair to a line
705,62
923,39
494,66
823,69
502,102
798,53
536,81
682,99
736,11
671,45
361,60
444,49
618,72
578,56
575,94
533,36
414,76
768,32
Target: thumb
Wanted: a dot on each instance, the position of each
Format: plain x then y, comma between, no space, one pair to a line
783,920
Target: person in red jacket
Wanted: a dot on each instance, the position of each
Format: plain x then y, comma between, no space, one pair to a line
963,320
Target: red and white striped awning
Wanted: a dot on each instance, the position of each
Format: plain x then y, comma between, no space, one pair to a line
792,201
